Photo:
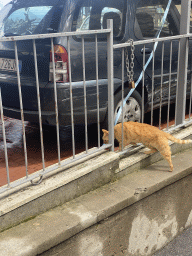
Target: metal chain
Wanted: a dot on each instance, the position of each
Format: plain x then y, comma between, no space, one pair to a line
130,72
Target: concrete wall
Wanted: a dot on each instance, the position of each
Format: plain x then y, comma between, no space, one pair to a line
69,182
110,205
140,229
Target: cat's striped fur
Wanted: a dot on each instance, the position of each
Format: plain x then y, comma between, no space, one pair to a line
148,135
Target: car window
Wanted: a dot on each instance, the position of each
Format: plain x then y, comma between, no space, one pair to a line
24,21
3,13
27,19
148,22
93,15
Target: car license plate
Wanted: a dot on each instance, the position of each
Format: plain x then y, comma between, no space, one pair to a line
9,64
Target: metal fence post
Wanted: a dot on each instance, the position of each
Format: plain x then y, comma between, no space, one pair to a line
110,83
4,139
183,63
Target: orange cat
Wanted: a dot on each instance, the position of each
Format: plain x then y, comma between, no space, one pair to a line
148,135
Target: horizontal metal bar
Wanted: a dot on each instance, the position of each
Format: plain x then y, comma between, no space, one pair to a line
153,40
185,123
91,32
51,35
173,73
167,74
49,169
130,151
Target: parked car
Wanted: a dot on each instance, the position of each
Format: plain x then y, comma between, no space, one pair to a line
136,19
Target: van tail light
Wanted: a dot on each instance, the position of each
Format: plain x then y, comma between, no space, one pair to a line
61,65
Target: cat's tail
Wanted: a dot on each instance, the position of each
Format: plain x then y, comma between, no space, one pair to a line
170,137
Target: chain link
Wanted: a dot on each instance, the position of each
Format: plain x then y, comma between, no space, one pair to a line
130,72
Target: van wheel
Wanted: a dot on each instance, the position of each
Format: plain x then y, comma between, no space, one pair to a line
132,110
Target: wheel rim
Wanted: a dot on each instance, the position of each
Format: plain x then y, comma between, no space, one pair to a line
131,111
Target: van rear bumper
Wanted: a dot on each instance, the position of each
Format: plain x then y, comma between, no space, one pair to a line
49,117
11,104
33,116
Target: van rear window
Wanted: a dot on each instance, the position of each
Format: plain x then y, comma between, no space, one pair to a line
28,20
93,15
149,17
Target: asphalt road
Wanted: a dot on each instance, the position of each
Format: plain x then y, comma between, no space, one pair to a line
180,246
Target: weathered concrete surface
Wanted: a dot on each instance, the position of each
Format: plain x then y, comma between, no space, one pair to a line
135,215
57,189
70,182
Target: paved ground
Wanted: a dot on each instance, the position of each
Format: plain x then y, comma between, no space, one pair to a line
180,246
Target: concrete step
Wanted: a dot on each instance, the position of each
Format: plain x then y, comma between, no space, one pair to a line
77,198
74,179
135,215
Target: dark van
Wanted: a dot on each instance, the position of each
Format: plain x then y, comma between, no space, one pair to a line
135,19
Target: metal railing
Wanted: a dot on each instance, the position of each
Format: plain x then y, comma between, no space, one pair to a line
30,178
186,86
180,73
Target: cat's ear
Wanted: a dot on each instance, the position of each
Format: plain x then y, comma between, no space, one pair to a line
105,131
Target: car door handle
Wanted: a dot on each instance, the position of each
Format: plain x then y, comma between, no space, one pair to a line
147,50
